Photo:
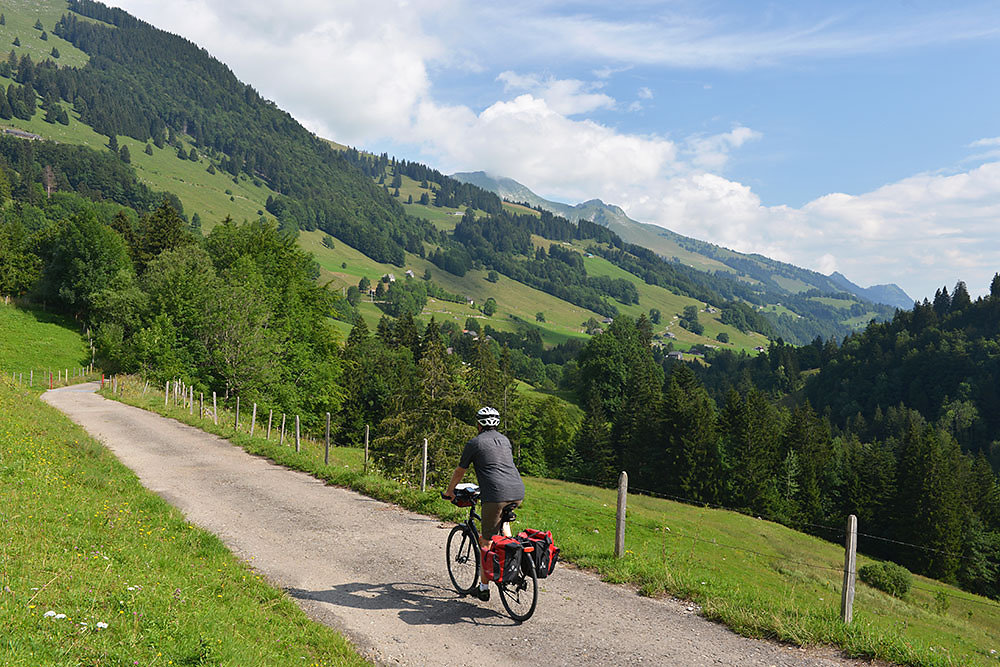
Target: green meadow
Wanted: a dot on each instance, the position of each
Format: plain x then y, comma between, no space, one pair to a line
34,340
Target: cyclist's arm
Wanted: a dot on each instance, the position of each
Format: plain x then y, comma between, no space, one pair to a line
456,477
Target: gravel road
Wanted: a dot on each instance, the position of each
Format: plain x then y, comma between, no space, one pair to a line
377,573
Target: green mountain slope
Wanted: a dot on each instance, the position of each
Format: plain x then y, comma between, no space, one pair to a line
698,254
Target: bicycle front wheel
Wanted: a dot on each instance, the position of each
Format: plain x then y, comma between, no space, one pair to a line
520,597
463,559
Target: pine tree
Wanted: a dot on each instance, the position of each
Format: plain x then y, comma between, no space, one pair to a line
54,53
125,155
113,143
149,149
593,446
690,460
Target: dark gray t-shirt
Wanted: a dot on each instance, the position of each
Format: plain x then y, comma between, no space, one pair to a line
493,457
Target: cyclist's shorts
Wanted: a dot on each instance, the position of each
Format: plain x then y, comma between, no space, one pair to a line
491,517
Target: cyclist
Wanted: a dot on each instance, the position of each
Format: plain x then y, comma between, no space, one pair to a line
499,481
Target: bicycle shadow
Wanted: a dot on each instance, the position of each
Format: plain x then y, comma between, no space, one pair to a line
418,603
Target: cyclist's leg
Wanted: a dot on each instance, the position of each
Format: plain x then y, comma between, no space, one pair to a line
491,526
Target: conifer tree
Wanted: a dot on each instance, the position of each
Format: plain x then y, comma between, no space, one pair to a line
691,459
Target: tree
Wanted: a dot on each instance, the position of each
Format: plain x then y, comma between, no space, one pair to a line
113,143
427,274
722,337
17,41
654,315
490,307
44,36
353,295
692,456
38,25
364,284
124,154
3,19
80,256
539,316
149,149
54,53
492,276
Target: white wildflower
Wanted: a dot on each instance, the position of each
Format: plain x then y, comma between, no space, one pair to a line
49,614
101,625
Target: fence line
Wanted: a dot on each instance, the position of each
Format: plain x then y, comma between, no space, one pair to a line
604,519
834,530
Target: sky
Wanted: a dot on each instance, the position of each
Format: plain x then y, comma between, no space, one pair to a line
860,137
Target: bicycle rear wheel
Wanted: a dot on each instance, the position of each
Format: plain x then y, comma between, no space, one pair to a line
463,559
520,597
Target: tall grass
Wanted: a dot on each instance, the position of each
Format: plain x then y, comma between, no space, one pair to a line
759,578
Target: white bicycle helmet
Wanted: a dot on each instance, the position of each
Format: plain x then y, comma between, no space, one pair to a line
488,417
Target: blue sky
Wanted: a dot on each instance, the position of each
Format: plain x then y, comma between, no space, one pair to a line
859,137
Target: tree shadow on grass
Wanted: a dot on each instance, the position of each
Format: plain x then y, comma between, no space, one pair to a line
418,603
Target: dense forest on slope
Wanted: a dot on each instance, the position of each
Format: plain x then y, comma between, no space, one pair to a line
150,85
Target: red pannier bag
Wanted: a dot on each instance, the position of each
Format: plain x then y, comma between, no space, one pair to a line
502,559
545,553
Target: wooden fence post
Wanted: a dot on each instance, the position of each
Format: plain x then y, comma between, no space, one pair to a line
366,449
270,413
620,516
215,410
326,455
191,400
850,563
236,426
282,441
298,441
166,395
253,419
423,476
201,405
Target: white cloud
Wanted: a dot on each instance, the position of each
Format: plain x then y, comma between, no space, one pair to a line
991,141
569,97
645,93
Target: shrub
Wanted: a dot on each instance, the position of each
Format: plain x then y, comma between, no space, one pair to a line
888,577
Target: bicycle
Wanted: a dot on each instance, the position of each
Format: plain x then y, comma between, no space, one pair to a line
520,596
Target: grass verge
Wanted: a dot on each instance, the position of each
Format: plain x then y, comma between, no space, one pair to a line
759,578
127,580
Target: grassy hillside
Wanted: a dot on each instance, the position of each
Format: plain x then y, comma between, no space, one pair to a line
36,340
20,16
759,578
127,580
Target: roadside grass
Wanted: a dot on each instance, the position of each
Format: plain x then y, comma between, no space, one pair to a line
35,340
83,538
759,578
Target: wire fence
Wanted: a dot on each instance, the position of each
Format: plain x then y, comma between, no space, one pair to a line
181,396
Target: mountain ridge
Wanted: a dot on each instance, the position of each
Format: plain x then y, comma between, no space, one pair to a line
670,244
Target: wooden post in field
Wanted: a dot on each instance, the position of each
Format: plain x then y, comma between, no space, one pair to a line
326,455
423,475
145,388
282,440
236,426
620,516
850,563
215,410
166,395
270,413
298,441
201,405
191,400
253,419
366,449
31,377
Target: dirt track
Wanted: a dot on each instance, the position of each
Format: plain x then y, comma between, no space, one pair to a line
377,573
